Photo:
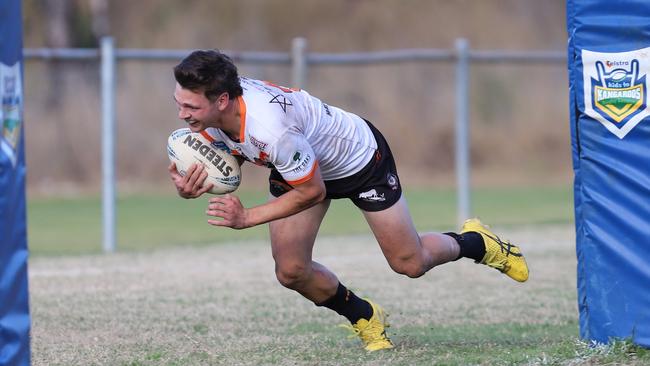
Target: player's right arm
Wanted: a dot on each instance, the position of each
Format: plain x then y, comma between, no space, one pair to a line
190,185
229,211
294,159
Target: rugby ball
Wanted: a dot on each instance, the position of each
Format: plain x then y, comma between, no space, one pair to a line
185,148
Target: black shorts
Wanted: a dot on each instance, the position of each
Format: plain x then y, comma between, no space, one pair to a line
376,187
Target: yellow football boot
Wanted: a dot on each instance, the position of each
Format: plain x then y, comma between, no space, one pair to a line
499,254
372,332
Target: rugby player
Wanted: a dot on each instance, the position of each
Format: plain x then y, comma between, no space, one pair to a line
316,152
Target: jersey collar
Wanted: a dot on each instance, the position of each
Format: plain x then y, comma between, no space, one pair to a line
242,119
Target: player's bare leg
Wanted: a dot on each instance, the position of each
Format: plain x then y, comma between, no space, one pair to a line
413,254
292,242
408,252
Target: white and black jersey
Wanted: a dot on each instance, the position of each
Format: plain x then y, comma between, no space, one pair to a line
294,132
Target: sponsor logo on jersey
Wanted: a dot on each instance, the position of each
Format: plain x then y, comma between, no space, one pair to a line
257,143
221,146
282,101
279,99
11,118
615,88
372,196
304,165
327,109
238,150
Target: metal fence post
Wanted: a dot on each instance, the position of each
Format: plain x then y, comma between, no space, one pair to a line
298,62
462,130
108,142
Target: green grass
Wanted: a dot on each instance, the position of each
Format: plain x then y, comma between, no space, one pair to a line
463,344
521,344
221,305
494,344
73,226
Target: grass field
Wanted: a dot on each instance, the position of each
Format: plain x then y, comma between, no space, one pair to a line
221,305
170,296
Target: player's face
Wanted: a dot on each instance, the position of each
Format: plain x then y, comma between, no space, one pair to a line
195,109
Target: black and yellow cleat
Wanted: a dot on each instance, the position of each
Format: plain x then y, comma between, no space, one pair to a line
499,254
373,331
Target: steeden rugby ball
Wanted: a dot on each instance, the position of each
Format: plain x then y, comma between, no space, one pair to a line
185,148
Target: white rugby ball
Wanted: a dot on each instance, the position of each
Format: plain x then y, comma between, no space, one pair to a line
185,148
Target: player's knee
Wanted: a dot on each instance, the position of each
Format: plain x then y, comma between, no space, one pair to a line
291,275
412,267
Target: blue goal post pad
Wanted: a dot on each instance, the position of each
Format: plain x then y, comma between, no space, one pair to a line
14,308
609,68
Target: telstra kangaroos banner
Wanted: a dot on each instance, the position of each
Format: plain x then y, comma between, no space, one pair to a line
609,64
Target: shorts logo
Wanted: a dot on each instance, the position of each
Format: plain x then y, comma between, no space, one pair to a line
391,179
615,88
11,92
372,196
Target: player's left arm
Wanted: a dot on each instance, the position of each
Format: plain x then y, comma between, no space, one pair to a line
229,211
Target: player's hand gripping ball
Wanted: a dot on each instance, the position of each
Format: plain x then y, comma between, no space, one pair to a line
185,148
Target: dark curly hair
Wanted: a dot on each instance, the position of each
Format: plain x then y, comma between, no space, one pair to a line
209,71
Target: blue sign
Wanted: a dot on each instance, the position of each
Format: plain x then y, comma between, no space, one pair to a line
14,307
609,64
